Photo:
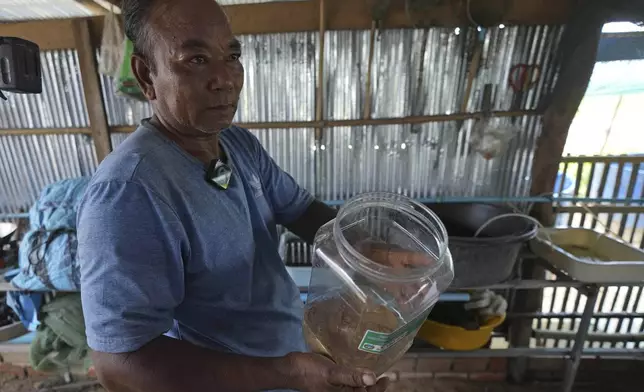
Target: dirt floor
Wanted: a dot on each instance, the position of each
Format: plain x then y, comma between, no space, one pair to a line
13,383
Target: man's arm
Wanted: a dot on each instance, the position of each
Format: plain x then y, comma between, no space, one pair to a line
168,365
307,225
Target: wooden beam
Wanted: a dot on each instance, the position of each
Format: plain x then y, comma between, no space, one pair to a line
94,8
48,34
293,16
45,131
92,88
294,124
12,331
366,121
109,5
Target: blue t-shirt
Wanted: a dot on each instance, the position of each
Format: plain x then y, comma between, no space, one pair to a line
163,250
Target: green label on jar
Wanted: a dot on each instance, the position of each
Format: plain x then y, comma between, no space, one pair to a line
378,342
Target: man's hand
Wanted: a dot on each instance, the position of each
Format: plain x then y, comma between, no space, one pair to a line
316,373
407,295
393,256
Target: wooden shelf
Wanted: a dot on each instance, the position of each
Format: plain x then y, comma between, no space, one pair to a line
6,286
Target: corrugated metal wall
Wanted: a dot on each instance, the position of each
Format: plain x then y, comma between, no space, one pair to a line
432,162
61,104
279,83
421,160
29,163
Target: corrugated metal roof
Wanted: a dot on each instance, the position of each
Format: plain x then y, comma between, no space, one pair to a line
280,86
15,10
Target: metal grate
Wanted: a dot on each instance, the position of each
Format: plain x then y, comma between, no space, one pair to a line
620,310
298,254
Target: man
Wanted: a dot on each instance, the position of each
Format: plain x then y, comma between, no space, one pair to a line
177,230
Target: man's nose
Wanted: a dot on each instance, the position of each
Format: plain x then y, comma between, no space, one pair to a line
221,79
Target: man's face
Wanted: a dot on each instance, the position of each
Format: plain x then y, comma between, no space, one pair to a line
197,76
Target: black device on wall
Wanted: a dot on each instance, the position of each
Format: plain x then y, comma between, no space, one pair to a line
19,66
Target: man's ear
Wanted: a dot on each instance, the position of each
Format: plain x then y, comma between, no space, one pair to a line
142,73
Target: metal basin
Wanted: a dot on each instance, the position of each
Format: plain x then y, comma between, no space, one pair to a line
6,231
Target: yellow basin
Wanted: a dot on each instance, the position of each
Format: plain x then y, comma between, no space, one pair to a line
451,337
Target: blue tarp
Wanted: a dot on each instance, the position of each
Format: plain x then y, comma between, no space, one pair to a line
47,255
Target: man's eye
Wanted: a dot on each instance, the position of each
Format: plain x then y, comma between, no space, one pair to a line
198,60
234,57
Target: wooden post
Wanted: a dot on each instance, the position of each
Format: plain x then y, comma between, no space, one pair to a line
319,99
567,94
577,54
366,114
472,72
92,88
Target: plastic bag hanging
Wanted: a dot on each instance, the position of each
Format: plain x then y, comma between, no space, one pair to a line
127,84
490,136
111,54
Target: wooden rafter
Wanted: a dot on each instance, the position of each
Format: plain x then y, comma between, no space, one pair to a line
293,16
92,6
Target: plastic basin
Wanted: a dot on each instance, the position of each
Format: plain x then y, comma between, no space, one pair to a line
491,257
452,337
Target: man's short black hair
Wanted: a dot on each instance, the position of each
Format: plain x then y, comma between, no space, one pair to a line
135,16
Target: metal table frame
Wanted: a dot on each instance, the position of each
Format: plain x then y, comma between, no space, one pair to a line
573,354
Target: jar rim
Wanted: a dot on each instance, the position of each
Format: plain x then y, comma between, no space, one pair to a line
400,203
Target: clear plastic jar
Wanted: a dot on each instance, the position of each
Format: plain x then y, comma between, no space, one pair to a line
378,269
